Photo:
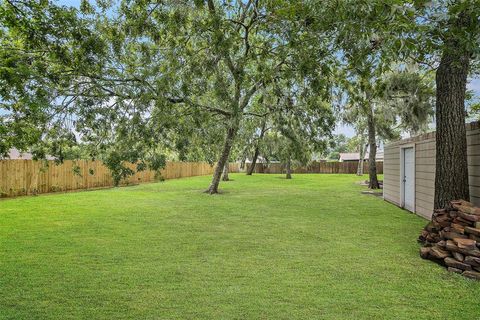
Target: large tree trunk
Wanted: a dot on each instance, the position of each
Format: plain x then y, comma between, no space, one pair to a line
231,133
362,158
289,169
225,172
254,161
242,163
257,150
372,166
451,171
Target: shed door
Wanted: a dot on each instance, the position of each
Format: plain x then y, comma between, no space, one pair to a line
408,179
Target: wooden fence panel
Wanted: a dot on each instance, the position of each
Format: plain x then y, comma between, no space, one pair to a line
317,167
24,177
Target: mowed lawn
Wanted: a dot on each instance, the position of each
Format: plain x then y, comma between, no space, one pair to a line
312,247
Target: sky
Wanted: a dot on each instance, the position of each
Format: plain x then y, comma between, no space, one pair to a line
72,3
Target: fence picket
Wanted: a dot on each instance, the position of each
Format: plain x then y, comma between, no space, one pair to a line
26,177
317,167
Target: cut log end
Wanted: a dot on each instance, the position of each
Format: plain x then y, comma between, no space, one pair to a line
452,239
472,274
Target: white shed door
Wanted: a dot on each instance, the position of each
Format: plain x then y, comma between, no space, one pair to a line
408,179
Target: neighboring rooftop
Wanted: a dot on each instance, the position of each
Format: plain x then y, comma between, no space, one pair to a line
355,156
15,154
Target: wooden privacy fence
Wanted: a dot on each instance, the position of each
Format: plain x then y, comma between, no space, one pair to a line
317,167
24,177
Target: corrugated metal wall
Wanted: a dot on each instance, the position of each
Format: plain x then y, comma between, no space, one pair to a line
425,169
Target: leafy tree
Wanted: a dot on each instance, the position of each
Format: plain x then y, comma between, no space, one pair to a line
338,144
368,39
255,126
362,108
358,144
137,78
262,129
443,36
190,60
42,47
409,99
453,35
399,101
302,127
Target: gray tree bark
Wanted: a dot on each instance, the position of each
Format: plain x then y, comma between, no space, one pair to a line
230,137
257,150
451,171
362,158
288,169
372,166
242,163
225,172
251,168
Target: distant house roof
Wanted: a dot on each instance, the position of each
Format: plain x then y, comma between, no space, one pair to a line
261,159
355,156
379,156
352,156
15,154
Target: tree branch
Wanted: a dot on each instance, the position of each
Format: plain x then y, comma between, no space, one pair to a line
194,104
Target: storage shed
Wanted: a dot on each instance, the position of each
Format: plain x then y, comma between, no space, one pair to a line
409,171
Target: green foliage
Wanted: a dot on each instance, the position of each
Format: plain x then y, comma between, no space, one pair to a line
400,101
334,155
409,100
339,144
301,124
43,47
116,160
76,170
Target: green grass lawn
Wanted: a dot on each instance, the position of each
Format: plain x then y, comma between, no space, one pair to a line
268,248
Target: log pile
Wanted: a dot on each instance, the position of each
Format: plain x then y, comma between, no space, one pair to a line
452,239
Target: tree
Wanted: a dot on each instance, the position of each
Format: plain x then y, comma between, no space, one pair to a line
225,172
302,126
368,39
445,38
212,60
361,152
261,133
204,59
338,144
151,77
399,101
358,143
409,99
459,34
282,149
42,47
48,58
254,128
362,109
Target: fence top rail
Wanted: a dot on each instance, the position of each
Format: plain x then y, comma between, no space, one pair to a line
28,177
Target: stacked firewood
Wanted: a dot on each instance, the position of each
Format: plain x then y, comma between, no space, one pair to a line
452,239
